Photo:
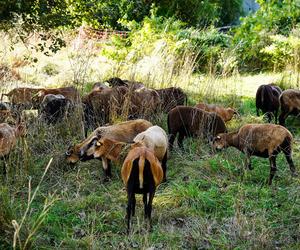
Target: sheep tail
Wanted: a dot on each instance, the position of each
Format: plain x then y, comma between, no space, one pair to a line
141,170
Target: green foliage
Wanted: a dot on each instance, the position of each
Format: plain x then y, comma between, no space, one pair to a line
201,14
255,40
168,37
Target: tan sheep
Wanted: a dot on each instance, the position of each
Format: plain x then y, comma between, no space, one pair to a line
122,132
8,140
290,104
141,173
225,113
263,140
154,138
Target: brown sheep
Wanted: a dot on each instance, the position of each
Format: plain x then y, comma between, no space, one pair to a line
98,86
267,99
70,93
189,121
123,132
225,113
154,138
143,102
263,140
290,104
8,140
98,106
23,97
141,173
171,97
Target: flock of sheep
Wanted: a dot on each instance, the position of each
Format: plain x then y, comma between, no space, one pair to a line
143,147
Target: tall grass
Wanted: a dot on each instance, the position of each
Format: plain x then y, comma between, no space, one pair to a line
205,204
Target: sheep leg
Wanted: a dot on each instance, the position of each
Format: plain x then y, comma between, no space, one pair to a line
145,204
257,111
282,118
164,166
133,205
248,161
273,168
180,140
171,140
106,164
151,196
130,196
288,156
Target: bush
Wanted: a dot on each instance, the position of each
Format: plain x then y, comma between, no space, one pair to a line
259,37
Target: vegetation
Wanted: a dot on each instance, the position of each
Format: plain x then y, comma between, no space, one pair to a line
209,201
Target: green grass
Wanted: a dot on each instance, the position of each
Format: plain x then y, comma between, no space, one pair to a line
209,201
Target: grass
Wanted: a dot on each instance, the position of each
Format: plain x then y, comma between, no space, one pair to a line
207,203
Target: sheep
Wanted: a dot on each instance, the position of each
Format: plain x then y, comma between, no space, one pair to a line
123,132
225,113
54,108
290,104
98,105
154,138
189,121
141,173
263,140
171,97
267,99
8,140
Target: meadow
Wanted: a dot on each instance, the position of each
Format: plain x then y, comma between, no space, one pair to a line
209,201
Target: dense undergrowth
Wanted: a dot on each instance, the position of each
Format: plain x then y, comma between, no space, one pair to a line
209,200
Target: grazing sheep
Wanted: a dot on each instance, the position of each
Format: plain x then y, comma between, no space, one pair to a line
123,132
143,102
290,104
225,113
23,98
116,82
263,140
267,99
156,139
98,106
141,173
70,93
189,121
8,140
98,86
54,108
171,97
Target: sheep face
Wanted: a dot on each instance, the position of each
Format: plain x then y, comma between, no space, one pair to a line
72,155
103,147
220,142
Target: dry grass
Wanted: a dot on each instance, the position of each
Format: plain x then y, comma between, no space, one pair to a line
204,205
